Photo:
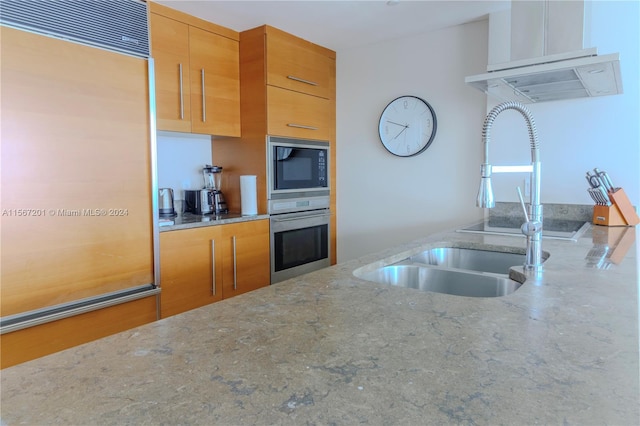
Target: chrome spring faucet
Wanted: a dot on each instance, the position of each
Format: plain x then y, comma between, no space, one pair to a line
532,228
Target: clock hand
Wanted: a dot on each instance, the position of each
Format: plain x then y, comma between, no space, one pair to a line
405,128
397,124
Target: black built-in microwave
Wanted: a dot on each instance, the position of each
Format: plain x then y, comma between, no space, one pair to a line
298,174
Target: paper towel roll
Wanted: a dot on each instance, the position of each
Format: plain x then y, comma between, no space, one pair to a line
248,195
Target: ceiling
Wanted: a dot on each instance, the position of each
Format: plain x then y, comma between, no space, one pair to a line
341,25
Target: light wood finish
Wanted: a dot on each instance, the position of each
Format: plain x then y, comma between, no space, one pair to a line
622,202
296,64
173,101
188,261
193,21
215,63
298,115
251,255
332,171
201,48
249,156
31,343
75,138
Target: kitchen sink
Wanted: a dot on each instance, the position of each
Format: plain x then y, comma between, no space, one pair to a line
446,281
461,271
470,259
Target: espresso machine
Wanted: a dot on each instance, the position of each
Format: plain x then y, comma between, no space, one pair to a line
212,182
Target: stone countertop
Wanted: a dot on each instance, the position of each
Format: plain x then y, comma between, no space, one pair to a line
329,348
189,220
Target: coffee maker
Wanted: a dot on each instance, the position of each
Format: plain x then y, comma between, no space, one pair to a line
212,180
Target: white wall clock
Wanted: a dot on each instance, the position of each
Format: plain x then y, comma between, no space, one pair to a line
407,126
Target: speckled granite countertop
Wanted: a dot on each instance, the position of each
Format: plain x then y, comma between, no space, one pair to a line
329,348
188,220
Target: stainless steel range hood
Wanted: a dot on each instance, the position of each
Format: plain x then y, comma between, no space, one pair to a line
548,58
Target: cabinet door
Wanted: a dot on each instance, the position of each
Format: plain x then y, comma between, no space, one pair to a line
298,115
190,269
294,64
74,143
215,83
246,261
170,50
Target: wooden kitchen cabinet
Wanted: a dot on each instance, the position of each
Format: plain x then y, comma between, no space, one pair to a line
200,266
298,115
298,65
190,269
246,261
173,97
273,103
197,74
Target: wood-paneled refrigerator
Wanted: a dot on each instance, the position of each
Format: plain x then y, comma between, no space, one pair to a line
78,254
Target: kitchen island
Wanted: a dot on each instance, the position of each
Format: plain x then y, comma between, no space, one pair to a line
330,348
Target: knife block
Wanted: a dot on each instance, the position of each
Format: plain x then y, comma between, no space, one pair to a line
620,213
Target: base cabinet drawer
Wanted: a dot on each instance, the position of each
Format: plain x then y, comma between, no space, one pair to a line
200,266
298,115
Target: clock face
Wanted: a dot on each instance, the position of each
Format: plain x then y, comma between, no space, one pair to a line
407,126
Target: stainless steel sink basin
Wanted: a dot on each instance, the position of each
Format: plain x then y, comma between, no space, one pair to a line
462,271
470,259
446,281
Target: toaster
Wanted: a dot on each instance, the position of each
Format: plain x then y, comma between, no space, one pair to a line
199,201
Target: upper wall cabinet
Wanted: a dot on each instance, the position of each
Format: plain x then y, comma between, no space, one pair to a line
296,79
295,64
197,74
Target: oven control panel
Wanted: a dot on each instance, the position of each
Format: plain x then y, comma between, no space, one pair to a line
298,204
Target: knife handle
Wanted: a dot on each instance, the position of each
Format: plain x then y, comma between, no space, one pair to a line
605,195
602,177
593,180
608,182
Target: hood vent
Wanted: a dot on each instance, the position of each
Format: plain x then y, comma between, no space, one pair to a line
119,25
540,73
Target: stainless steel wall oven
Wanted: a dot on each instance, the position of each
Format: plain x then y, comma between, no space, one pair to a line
298,192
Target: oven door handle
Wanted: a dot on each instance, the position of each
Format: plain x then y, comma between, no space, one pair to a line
310,216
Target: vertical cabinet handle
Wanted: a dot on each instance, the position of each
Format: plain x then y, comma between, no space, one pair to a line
181,94
235,265
213,267
204,99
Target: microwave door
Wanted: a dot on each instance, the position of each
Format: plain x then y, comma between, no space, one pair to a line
294,169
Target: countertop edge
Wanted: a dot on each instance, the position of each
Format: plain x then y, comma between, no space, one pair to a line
204,221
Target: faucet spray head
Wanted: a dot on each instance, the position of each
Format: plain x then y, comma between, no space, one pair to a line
485,193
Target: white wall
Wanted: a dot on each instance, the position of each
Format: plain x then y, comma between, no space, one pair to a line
181,157
578,135
385,200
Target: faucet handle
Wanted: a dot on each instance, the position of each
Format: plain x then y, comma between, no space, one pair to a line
530,227
524,208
